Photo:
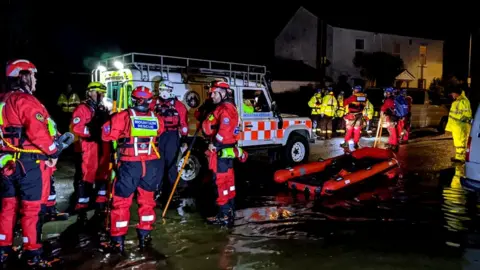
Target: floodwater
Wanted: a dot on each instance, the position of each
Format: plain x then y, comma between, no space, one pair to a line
425,220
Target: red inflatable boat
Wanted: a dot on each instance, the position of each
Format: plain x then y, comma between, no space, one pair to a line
331,175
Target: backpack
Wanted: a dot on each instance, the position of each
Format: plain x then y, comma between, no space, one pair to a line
401,106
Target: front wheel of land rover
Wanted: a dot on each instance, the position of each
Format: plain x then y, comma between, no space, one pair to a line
296,150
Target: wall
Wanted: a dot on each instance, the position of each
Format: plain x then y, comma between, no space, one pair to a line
344,49
289,86
298,39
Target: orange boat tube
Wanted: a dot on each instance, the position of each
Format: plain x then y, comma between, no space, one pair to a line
333,185
282,176
326,177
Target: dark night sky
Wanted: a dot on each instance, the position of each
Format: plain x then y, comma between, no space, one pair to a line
66,41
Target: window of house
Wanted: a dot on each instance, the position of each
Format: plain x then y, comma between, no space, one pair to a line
360,44
396,49
423,54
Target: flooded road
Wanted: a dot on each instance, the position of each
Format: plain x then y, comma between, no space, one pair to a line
424,220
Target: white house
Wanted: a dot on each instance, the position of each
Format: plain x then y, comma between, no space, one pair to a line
301,39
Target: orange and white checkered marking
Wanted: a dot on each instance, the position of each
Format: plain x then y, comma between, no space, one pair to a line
266,130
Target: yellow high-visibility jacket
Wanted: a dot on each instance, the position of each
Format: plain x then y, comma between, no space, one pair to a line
329,105
68,104
316,103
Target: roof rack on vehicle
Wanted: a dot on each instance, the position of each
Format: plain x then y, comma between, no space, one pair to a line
163,63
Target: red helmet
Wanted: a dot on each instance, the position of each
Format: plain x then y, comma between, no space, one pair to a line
215,85
14,67
142,92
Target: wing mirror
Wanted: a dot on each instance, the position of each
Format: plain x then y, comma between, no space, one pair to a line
275,108
276,113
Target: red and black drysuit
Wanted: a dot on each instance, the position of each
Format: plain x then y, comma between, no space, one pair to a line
92,156
392,123
25,126
174,114
221,128
354,117
51,212
407,120
137,169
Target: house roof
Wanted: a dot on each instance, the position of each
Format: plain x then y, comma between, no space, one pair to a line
428,29
405,75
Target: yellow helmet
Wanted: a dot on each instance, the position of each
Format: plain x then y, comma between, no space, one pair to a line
97,86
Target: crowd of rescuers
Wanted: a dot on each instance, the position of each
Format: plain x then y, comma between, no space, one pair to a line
117,154
349,116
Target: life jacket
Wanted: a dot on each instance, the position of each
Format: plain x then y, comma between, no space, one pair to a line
211,125
143,135
171,117
14,135
401,106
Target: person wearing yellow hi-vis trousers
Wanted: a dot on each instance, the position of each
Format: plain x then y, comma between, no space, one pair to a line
339,122
315,103
368,116
327,111
459,123
137,131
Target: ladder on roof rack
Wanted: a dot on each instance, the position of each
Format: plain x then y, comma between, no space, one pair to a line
163,63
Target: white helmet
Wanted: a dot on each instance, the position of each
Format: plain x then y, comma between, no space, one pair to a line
165,89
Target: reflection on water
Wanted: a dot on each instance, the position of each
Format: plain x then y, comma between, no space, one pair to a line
409,223
454,206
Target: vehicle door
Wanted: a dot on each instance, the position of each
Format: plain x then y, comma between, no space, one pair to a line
258,126
474,148
195,96
119,88
118,92
435,112
419,109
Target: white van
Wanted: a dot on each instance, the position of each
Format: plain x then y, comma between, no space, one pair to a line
472,160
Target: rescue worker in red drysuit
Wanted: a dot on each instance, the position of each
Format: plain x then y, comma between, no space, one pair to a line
203,111
174,115
354,106
221,127
50,204
92,161
391,122
28,135
136,131
51,211
407,119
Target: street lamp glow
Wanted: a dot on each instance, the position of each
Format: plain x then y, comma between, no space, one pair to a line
101,68
118,65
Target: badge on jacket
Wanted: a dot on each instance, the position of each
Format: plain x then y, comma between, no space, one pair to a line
39,117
